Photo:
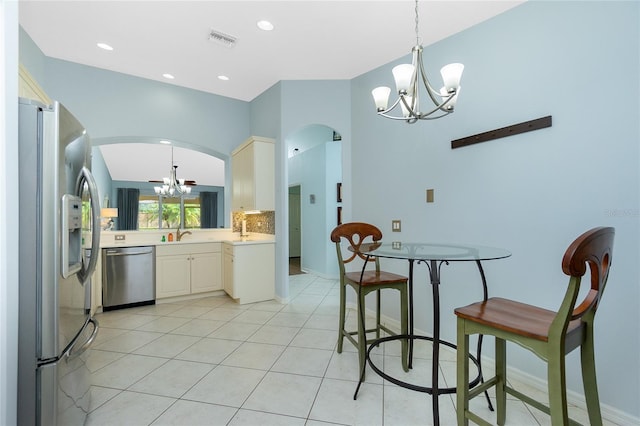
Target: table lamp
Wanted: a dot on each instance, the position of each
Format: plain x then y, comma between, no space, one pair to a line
108,213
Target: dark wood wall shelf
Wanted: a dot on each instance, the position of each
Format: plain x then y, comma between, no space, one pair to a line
515,129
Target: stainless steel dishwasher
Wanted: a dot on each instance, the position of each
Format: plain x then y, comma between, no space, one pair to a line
128,277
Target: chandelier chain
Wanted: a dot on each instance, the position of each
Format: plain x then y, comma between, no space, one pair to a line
417,26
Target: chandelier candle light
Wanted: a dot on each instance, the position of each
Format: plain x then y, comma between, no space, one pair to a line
171,185
407,78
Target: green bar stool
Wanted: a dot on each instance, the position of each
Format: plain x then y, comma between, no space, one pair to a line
365,282
550,335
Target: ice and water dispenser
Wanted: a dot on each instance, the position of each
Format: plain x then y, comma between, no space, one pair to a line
71,235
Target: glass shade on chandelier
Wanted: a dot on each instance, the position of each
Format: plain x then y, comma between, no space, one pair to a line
172,185
412,82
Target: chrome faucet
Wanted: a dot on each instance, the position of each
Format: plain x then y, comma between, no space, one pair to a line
179,235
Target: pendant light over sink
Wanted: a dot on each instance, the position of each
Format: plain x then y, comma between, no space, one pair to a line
172,185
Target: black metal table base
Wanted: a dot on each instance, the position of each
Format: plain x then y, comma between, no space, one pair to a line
407,385
434,278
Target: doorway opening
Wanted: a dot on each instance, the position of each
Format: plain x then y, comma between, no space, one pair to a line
314,170
295,236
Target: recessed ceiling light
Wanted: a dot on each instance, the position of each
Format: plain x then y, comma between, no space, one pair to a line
104,46
265,25
223,77
168,76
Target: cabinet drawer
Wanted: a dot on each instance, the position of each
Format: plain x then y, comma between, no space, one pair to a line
171,249
204,248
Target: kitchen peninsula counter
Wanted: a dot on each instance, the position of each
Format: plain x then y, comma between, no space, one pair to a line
195,266
108,239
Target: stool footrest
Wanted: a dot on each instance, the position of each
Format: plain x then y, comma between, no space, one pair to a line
481,387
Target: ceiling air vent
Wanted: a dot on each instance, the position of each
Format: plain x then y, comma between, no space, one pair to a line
222,38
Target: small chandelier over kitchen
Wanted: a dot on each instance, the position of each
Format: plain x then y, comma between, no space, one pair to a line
408,78
171,184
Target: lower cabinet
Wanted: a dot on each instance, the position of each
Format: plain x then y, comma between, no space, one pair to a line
249,272
183,269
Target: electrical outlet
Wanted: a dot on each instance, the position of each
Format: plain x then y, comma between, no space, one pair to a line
396,226
120,237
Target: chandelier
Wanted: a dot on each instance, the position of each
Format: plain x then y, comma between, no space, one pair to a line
408,78
171,184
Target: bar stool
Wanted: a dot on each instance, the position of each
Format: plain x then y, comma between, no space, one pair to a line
371,280
550,335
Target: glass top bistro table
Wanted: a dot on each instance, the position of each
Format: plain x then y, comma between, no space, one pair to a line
433,255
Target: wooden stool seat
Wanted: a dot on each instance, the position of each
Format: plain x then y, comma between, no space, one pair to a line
515,317
375,278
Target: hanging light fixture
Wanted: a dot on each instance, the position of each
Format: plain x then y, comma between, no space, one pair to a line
408,78
172,185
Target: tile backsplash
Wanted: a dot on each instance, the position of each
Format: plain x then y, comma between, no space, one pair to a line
263,222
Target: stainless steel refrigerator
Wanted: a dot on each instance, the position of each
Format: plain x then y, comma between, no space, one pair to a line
59,213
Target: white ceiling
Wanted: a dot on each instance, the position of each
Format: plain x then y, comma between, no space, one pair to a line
312,40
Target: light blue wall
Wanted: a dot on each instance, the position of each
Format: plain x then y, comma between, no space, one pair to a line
278,113
111,104
266,114
317,171
532,193
333,175
32,57
308,137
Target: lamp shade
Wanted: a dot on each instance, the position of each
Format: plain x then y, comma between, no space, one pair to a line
451,75
403,75
109,212
381,97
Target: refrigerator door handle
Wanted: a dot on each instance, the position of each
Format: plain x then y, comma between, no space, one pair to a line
72,353
85,175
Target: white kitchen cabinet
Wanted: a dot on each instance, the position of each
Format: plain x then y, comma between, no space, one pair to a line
173,275
253,175
206,271
29,88
183,269
249,272
228,269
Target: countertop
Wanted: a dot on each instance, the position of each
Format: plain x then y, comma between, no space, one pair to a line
109,239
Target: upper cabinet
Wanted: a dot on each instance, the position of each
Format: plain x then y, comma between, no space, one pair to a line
253,175
29,88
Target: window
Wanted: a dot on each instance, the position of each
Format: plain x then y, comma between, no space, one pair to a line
148,212
154,213
192,213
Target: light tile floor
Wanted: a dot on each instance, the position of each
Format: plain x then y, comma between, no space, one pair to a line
211,361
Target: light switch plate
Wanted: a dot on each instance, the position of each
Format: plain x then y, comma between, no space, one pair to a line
396,226
430,195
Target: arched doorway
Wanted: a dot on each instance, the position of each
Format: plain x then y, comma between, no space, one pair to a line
314,170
